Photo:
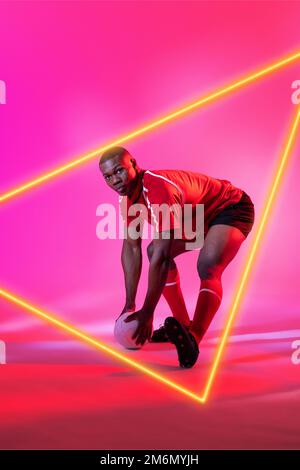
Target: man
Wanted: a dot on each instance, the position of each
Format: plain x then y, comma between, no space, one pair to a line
228,219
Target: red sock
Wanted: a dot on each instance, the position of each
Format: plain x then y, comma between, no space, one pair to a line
209,300
173,295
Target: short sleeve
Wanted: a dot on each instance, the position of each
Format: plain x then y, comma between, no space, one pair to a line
164,200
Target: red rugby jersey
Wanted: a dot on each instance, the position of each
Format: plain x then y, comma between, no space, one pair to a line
181,187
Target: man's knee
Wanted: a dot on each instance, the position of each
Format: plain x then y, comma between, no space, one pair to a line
208,268
150,250
172,264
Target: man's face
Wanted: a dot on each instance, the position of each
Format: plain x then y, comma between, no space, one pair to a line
119,173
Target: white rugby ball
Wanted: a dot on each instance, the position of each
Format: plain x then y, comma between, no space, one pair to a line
123,332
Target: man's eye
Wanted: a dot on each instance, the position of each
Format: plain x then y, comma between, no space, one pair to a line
107,178
119,170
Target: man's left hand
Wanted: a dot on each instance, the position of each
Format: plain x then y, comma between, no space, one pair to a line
144,329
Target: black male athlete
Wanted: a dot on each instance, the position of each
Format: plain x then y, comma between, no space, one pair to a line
228,219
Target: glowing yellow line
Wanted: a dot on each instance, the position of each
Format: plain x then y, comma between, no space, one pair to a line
254,249
94,342
148,127
64,326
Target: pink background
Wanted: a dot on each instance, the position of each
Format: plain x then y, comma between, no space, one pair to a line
80,74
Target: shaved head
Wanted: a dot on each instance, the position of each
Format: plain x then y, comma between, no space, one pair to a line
119,170
118,153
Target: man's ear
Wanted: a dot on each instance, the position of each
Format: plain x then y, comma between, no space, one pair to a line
133,161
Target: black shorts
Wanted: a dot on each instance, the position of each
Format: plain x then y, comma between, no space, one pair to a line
240,215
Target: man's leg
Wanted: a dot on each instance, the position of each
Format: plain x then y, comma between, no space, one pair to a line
221,244
172,290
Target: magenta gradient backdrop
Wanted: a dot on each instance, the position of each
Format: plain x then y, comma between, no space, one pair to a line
80,74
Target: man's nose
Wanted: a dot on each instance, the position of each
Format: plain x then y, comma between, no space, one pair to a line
115,180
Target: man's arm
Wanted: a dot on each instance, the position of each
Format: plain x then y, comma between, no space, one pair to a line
157,276
158,271
131,258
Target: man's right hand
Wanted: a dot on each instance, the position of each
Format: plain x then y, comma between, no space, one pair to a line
126,309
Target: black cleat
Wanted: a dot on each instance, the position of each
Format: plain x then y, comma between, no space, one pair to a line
184,341
160,335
